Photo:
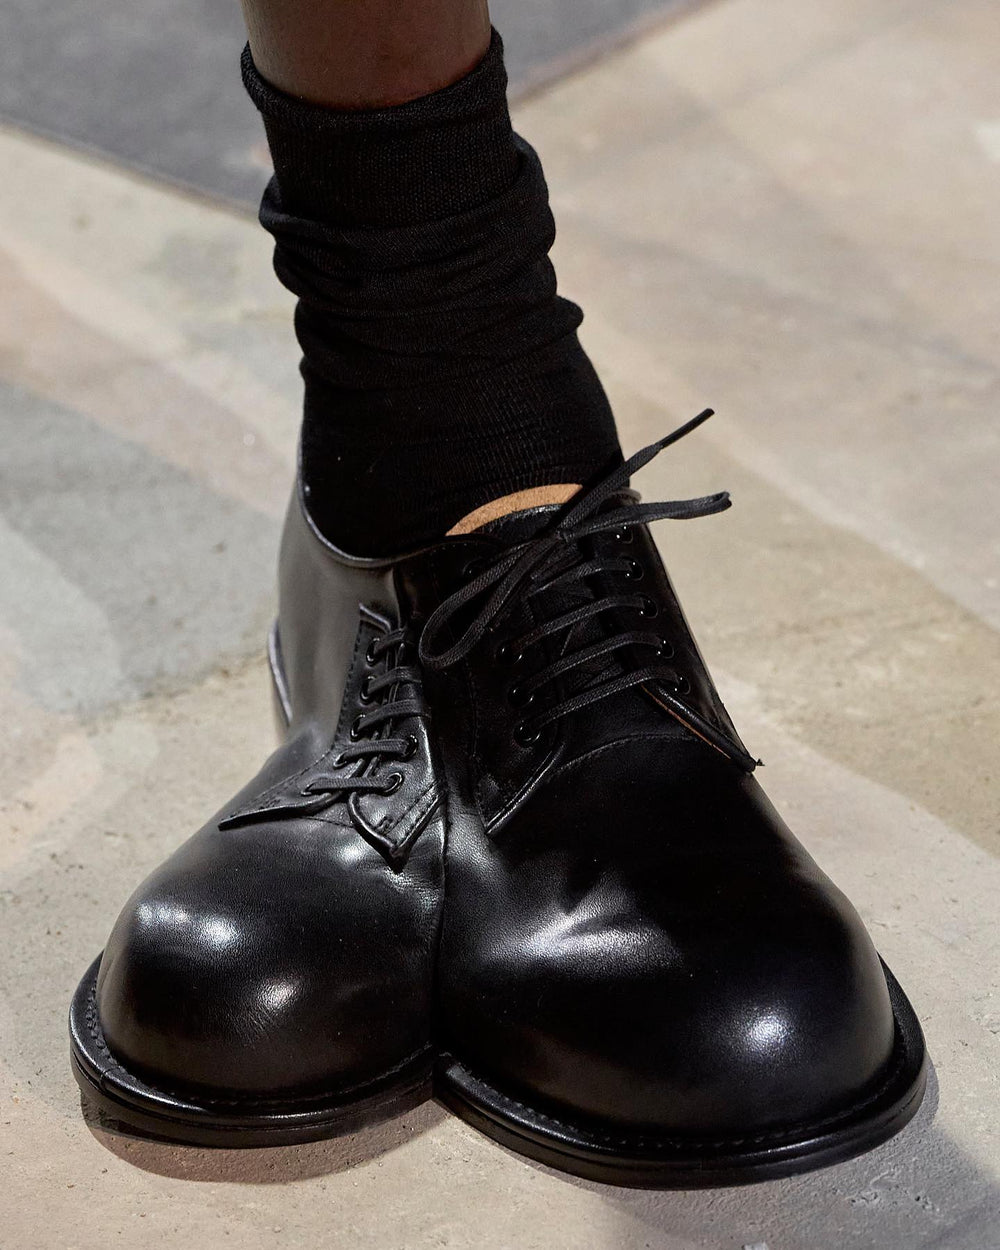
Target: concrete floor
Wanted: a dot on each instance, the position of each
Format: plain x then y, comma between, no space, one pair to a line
788,210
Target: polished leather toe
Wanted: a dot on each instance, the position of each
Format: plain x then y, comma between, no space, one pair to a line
649,947
267,960
288,948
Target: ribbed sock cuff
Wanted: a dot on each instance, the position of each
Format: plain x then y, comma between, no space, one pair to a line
443,153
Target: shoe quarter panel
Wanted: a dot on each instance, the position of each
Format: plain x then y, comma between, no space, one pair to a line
320,597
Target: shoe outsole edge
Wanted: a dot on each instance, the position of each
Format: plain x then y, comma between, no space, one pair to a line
130,1102
612,1156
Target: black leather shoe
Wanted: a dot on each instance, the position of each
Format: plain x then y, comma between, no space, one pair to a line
644,978
272,981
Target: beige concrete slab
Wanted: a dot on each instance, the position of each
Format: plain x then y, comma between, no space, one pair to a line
790,211
784,209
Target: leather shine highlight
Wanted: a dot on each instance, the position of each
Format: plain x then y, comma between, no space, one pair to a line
279,951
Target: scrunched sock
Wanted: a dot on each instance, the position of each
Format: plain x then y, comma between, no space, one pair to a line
442,370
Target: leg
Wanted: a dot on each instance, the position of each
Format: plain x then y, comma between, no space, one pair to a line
358,54
442,370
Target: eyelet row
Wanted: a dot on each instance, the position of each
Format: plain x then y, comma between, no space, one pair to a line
392,783
373,653
518,699
505,655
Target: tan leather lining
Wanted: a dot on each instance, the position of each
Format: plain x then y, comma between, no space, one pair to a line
533,497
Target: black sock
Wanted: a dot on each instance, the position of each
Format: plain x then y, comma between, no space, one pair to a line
442,370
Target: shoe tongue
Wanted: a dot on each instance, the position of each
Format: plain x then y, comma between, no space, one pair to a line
517,516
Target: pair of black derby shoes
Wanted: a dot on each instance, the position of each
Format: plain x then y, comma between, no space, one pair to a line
510,852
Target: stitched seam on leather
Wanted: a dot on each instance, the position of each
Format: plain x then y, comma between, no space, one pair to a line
270,799
580,760
395,822
418,810
680,1143
94,1029
510,794
346,826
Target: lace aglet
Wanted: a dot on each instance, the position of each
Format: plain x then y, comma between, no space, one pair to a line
685,429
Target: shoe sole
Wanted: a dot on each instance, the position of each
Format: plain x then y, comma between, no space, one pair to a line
647,1161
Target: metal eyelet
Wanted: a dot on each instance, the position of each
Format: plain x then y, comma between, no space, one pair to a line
525,737
365,694
624,535
681,685
411,747
517,698
635,572
372,653
472,567
649,609
392,783
340,762
357,727
505,655
665,650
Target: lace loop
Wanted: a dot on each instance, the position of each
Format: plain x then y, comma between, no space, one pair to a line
554,556
366,752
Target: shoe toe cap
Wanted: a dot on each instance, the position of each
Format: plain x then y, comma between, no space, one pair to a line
748,1034
685,969
264,976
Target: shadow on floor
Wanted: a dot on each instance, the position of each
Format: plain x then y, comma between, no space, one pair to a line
919,1190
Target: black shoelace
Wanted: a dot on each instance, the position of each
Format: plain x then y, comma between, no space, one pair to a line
556,556
374,740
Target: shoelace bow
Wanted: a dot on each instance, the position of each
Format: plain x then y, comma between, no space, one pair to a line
374,750
555,556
